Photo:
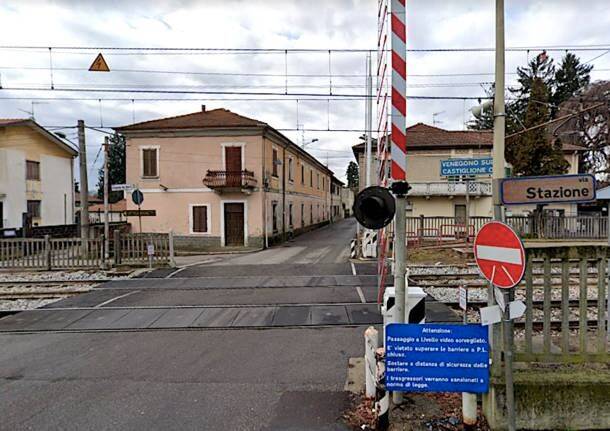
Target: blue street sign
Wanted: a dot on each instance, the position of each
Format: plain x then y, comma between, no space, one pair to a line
482,166
437,358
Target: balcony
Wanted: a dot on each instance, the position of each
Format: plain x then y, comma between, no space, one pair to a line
230,181
475,189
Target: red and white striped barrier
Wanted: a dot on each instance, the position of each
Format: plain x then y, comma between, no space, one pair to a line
398,147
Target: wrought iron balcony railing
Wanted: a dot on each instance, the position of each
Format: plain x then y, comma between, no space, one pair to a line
450,189
220,180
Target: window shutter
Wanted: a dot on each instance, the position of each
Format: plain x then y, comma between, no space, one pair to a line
149,157
200,219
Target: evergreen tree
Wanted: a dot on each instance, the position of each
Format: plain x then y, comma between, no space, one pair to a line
116,168
352,173
571,78
540,67
532,152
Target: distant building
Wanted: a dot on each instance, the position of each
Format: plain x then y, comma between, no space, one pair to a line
336,205
434,195
220,179
36,175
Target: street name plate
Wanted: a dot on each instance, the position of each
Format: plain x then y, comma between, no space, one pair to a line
480,166
437,358
122,187
141,213
549,189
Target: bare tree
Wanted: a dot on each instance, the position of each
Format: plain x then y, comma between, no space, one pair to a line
589,128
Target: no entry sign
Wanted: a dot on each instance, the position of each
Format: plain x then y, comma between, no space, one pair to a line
499,254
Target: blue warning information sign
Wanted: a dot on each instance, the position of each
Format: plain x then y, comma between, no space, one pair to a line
437,358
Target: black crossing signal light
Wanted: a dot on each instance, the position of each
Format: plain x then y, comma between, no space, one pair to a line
374,207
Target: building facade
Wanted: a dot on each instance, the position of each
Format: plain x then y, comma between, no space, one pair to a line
218,179
36,175
435,195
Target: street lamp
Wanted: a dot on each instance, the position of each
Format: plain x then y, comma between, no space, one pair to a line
310,142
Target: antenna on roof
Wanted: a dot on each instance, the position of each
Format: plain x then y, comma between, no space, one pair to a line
434,120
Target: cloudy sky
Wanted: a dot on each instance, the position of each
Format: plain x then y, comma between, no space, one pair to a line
268,24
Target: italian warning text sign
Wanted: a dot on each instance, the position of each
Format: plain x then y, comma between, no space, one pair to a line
437,358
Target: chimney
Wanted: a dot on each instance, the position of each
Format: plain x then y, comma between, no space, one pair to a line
202,108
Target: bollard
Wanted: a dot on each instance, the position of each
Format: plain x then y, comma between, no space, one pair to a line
469,409
382,405
371,343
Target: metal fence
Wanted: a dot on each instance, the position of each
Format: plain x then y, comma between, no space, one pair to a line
566,319
69,253
535,227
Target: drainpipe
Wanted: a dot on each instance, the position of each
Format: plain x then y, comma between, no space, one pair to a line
264,196
284,194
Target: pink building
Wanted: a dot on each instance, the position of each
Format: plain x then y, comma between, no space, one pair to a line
218,179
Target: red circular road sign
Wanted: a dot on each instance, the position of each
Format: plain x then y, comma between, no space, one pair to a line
499,254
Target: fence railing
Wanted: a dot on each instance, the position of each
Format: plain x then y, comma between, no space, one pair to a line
67,253
565,292
534,227
136,248
450,189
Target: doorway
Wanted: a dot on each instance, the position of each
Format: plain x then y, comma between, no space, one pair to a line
234,224
460,214
233,166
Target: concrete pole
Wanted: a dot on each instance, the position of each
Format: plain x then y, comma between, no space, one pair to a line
400,262
498,174
106,221
499,114
84,181
369,120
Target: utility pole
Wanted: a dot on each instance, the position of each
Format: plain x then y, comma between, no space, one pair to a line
498,175
84,181
106,221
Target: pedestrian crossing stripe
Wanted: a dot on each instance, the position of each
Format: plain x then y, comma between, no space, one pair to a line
99,64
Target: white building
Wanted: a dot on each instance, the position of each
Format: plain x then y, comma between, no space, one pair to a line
36,175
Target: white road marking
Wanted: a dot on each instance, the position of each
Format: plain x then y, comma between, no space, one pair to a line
361,295
114,299
358,289
499,254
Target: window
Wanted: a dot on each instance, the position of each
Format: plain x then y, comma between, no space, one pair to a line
318,181
303,174
199,219
311,178
32,170
274,215
275,162
290,173
34,209
149,163
290,215
302,214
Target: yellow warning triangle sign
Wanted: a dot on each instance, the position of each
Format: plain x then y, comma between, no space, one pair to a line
99,64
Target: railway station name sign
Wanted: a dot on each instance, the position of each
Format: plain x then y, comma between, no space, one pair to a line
479,166
437,358
548,189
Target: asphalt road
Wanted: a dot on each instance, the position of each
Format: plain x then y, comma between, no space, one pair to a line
210,379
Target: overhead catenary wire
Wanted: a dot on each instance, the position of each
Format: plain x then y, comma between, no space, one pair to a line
246,93
148,49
